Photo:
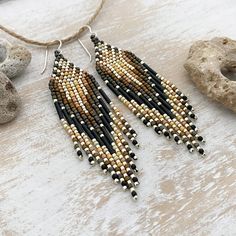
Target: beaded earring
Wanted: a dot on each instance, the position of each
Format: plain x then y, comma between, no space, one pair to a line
151,97
92,121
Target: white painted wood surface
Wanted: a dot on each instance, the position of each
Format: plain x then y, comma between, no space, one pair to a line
45,190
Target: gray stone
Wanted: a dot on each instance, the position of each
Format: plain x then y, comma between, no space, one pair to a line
9,100
207,63
13,58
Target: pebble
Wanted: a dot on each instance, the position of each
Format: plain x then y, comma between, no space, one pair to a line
9,100
13,59
207,63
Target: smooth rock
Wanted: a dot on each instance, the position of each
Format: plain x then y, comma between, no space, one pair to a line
206,62
13,58
9,100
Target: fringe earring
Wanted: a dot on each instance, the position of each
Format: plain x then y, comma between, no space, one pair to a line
151,97
92,121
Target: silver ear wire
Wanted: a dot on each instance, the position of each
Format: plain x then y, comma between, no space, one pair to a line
86,50
90,29
45,61
83,46
46,56
60,45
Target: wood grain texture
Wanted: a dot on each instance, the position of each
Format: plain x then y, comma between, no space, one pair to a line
45,190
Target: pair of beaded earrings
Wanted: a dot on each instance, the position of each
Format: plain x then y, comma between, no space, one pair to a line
97,127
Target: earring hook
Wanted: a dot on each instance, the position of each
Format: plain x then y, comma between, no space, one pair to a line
60,45
45,61
90,29
86,50
83,46
46,56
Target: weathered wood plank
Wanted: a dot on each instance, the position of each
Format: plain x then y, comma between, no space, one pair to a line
45,190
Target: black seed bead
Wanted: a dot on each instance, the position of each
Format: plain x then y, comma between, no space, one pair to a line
189,146
189,107
134,142
157,130
200,138
93,36
132,155
79,153
115,176
201,151
132,131
135,179
166,134
192,116
176,138
145,122
57,53
104,167
133,166
133,193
